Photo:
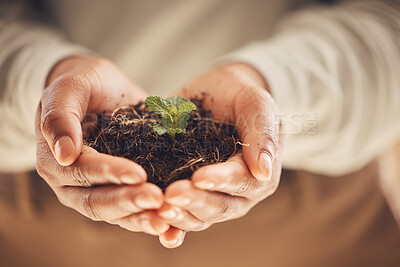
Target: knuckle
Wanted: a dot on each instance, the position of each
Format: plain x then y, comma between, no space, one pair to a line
246,186
76,176
49,118
271,138
126,199
45,170
224,210
80,177
41,170
130,223
227,210
78,84
57,107
89,207
44,174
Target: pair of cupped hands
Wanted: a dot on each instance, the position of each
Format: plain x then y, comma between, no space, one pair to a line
114,190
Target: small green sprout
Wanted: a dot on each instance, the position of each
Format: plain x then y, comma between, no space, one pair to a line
174,112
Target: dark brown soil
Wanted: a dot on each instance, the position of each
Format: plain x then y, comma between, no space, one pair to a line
128,133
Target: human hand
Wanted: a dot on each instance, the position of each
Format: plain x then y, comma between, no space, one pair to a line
101,187
228,190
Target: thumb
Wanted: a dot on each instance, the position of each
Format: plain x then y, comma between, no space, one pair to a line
258,127
61,114
89,85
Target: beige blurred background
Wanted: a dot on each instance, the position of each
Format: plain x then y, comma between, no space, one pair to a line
312,220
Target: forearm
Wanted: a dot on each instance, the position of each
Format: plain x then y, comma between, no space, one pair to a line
340,64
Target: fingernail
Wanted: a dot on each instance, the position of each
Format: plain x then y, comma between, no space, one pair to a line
146,201
130,179
63,149
174,242
169,214
265,164
204,184
179,201
146,225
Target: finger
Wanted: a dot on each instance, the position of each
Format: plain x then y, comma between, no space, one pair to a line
259,130
147,221
249,106
94,168
172,238
91,168
206,206
181,218
107,203
94,87
231,177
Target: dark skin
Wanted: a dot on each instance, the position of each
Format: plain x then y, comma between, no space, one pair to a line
228,190
216,193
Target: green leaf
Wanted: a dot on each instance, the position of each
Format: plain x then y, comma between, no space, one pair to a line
182,121
159,106
186,107
159,129
176,100
166,123
173,131
174,113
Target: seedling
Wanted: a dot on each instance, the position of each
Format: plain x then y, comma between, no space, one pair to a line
174,112
202,141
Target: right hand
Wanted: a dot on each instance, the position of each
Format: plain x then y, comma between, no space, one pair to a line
100,186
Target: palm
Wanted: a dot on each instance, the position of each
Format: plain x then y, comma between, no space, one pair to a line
227,190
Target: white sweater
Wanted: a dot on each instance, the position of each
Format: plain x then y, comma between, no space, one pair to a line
333,70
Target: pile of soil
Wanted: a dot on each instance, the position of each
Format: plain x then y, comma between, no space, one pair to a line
128,133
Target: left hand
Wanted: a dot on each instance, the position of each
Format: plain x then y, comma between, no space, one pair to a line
101,187
228,190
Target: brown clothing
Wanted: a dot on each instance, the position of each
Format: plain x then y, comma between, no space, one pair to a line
310,221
